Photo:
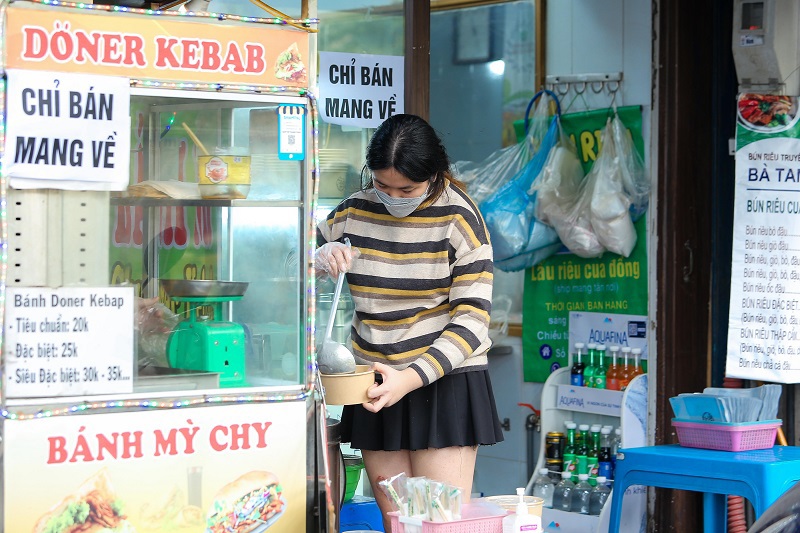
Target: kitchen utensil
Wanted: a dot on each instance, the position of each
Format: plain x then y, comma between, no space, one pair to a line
194,138
334,357
196,288
206,345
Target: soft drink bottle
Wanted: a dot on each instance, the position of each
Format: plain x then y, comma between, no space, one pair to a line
593,456
543,487
625,372
591,366
600,372
612,375
637,362
562,495
580,495
598,496
604,456
578,366
585,440
570,449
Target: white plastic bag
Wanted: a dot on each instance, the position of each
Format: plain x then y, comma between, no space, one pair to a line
484,178
610,204
563,200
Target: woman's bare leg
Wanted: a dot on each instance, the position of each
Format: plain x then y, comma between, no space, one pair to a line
454,466
382,465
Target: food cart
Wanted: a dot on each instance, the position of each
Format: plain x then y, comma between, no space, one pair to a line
157,191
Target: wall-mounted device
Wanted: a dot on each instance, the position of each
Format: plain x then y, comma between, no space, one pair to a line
766,50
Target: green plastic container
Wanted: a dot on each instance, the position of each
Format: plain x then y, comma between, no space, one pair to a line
353,465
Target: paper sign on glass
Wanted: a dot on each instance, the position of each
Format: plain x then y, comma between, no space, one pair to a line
67,131
71,341
359,89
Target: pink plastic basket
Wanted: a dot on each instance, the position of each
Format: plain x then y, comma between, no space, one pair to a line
727,437
474,521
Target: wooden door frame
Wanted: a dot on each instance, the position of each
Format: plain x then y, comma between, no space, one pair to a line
683,70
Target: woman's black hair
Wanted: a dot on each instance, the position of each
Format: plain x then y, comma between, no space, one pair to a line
409,145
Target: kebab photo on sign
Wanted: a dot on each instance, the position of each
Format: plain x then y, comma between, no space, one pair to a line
289,65
92,508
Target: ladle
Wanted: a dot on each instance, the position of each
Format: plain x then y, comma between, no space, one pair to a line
334,357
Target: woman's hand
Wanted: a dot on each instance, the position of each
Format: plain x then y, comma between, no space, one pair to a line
334,257
396,384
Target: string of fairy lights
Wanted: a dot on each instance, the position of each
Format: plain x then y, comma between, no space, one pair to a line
178,402
306,23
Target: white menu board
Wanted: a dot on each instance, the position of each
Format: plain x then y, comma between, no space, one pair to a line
764,317
68,341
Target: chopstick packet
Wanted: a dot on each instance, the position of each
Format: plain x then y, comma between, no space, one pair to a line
434,498
416,487
452,501
395,490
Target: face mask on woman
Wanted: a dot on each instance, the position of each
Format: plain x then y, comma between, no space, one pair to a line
401,207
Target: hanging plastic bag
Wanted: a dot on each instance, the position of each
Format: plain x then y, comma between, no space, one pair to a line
610,206
563,200
485,177
632,172
519,240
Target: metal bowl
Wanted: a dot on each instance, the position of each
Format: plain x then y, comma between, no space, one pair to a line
198,288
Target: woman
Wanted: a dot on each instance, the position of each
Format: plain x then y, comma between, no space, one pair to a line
421,283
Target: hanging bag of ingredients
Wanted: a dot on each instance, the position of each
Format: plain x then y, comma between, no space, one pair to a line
632,172
519,240
613,190
563,200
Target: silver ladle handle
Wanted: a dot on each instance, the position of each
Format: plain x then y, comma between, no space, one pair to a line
336,293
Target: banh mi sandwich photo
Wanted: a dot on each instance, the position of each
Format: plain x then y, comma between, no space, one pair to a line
289,65
249,504
93,508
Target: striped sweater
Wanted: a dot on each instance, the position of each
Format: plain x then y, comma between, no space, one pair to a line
421,286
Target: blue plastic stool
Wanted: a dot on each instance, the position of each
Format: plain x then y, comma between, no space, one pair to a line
761,476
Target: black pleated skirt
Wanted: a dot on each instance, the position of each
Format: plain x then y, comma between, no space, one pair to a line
455,410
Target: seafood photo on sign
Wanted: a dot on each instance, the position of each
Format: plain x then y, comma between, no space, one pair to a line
765,112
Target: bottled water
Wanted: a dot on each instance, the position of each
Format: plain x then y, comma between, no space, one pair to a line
543,488
562,495
580,495
598,496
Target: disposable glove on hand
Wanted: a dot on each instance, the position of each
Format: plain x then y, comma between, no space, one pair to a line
334,257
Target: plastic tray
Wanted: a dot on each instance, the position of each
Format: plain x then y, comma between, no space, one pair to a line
476,518
727,437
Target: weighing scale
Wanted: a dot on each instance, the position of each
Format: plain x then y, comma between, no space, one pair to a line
202,344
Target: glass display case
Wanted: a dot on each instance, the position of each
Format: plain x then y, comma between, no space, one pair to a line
158,194
224,261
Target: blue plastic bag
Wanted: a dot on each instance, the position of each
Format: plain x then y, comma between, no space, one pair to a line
519,239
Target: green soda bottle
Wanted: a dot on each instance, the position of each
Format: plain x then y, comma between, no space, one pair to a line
602,368
569,456
591,367
584,442
593,456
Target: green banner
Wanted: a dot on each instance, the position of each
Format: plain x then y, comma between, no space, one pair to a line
564,283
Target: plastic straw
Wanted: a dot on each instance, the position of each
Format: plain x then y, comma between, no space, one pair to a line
194,138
